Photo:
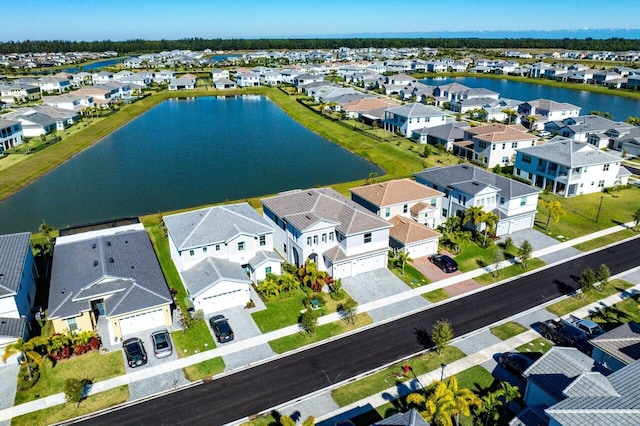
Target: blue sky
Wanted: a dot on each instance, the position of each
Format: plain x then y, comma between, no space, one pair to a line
123,20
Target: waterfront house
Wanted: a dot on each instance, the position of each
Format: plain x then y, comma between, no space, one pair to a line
186,82
17,92
17,287
54,84
495,144
109,280
465,186
10,134
69,101
546,110
33,122
401,197
319,225
567,167
219,252
406,119
444,135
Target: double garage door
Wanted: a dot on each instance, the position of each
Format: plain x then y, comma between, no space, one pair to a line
359,266
518,224
226,300
143,321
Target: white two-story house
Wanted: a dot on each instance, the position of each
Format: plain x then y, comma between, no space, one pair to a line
466,186
10,134
219,252
567,167
320,225
496,144
406,119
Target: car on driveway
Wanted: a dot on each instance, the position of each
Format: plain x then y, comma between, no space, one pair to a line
221,328
516,362
162,346
444,262
134,351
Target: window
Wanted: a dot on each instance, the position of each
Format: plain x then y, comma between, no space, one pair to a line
241,246
601,184
505,160
308,241
263,240
191,253
331,236
444,212
514,144
405,208
493,147
482,144
434,202
533,143
72,323
324,238
502,200
523,201
504,145
315,240
605,168
267,270
367,237
526,159
387,212
204,249
217,247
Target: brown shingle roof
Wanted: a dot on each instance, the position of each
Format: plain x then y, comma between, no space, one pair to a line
395,192
408,231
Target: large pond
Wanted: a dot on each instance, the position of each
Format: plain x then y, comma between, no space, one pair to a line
94,66
180,154
619,107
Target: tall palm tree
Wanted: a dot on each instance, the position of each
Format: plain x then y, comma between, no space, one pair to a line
555,211
438,408
403,258
488,413
510,113
28,352
463,398
490,220
531,119
474,216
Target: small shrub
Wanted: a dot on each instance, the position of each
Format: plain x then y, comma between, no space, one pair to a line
95,343
24,383
81,349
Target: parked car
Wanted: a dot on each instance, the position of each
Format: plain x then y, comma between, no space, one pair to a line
515,362
544,133
134,350
444,262
221,328
162,346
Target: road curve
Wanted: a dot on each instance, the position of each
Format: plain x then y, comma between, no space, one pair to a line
250,391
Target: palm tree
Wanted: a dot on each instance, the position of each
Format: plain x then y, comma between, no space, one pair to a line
46,230
510,113
474,215
403,258
463,398
27,350
555,210
531,119
488,413
490,220
438,407
510,393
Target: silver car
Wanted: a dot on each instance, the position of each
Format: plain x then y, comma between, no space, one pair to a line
162,346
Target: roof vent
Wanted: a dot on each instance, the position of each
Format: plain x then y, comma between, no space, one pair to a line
93,245
111,260
95,263
108,243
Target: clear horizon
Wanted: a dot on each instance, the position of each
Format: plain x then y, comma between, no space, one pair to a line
119,20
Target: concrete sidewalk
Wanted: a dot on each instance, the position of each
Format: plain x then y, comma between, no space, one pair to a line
134,376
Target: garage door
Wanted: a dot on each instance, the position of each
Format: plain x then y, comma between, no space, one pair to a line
370,263
521,223
219,302
142,321
422,249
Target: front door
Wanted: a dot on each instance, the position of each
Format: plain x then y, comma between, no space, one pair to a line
98,307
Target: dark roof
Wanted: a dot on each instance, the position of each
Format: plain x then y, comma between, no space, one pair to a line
12,327
622,343
122,267
471,179
409,418
13,253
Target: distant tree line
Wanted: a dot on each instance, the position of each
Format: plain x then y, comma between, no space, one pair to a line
138,46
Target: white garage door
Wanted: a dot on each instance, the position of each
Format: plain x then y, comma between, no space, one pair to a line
422,249
342,270
369,264
143,321
521,223
229,299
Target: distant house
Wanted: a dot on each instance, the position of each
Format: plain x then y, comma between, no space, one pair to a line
444,135
10,134
19,92
17,287
70,101
186,82
406,119
570,168
580,128
54,84
402,197
33,123
224,83
360,107
108,279
630,142
465,186
618,347
547,110
247,79
322,226
102,77
219,252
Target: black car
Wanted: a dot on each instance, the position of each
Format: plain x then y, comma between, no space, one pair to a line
134,350
162,346
444,262
221,328
515,362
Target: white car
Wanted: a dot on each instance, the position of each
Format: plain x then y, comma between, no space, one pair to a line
544,133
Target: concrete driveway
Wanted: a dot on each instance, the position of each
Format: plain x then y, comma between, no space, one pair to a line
8,383
375,285
538,241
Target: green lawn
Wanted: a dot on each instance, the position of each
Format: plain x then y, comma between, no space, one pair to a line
194,339
574,302
617,208
472,256
618,314
606,240
411,277
507,330
393,376
93,366
298,340
509,272
476,378
68,411
204,369
436,295
540,344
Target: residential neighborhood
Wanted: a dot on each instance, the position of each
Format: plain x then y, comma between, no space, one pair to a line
478,194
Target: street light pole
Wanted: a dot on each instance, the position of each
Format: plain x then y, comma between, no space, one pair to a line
443,365
599,207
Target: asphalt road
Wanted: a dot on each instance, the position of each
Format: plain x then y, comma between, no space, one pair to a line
248,392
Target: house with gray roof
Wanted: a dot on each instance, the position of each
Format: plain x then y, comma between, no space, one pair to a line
406,119
33,122
465,186
628,141
408,418
547,110
570,168
322,226
618,347
10,134
219,251
582,127
108,279
444,135
17,287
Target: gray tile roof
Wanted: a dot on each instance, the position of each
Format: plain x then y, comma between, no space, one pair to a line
305,208
264,256
416,110
12,327
622,343
594,123
570,153
213,225
211,271
13,253
123,264
409,418
465,177
453,131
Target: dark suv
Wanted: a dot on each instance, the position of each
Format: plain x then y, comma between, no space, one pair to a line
221,328
444,262
134,350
